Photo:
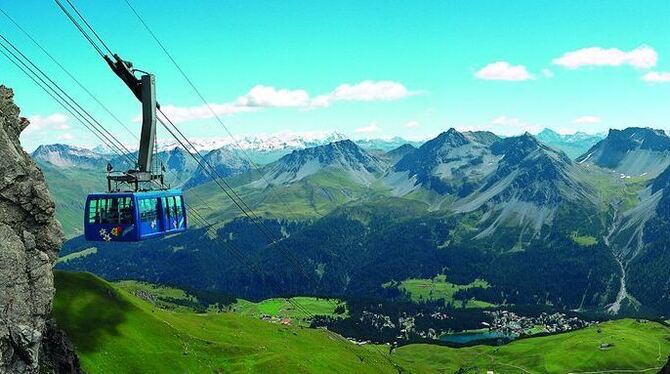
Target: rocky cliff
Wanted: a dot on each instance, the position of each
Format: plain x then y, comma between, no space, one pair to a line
665,369
30,238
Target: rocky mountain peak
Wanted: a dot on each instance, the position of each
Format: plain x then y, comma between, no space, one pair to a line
634,151
519,147
451,138
224,161
343,155
177,159
549,134
531,171
63,155
639,137
400,152
331,154
482,137
31,239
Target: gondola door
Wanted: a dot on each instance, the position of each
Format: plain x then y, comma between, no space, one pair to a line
150,212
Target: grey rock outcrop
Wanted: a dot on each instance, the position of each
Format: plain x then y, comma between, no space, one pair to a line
57,354
30,238
665,369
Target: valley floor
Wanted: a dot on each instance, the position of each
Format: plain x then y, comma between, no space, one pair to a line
115,331
613,347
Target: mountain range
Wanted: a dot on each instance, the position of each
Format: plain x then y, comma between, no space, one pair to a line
574,145
632,152
538,226
265,148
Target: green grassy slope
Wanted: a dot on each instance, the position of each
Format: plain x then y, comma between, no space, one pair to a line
171,298
282,308
115,332
635,346
438,288
310,197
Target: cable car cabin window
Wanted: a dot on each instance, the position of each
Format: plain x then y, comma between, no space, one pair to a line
176,207
173,211
117,210
148,210
93,211
125,210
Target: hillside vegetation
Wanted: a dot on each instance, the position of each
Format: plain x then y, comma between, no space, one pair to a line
615,347
115,331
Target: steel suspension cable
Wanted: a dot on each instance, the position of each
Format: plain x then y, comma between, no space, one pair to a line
90,28
202,98
239,206
77,115
81,85
239,202
232,195
67,71
49,91
120,145
60,100
81,30
71,108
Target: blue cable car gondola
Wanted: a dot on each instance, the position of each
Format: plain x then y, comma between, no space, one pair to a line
134,216
138,204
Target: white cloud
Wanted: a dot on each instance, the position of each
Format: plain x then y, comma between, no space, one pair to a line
547,73
371,128
643,57
412,124
268,96
504,71
657,77
587,120
363,91
261,96
47,129
56,121
183,114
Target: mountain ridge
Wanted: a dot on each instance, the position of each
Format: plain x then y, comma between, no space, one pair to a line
344,155
632,152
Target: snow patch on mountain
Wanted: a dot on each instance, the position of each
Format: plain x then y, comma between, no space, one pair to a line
262,142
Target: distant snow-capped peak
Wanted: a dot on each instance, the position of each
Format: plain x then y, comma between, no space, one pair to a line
264,142
261,142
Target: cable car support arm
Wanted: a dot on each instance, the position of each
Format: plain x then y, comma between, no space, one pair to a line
144,89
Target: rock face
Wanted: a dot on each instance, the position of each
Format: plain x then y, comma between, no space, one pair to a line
57,354
67,156
30,238
344,156
665,369
632,152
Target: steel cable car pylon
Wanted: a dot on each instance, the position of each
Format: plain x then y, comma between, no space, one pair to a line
144,88
138,205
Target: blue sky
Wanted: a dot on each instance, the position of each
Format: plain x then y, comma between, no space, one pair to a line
363,68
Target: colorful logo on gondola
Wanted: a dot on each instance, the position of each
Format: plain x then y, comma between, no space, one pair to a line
105,235
115,232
